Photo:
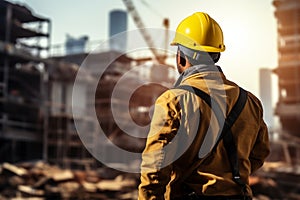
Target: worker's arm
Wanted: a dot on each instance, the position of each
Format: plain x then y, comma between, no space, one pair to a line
261,147
155,172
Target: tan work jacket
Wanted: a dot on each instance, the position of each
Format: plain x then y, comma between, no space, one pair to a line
184,130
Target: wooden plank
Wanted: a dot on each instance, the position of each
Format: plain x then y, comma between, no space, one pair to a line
14,169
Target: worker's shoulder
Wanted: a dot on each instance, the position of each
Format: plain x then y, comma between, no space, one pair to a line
254,99
171,94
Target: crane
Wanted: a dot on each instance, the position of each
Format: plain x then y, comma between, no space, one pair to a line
142,28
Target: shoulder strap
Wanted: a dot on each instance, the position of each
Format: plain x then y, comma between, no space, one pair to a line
229,141
226,133
208,100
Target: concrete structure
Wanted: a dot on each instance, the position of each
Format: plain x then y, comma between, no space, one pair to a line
283,164
288,22
23,92
36,121
265,93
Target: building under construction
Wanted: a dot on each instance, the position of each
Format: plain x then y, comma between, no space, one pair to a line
283,166
37,120
287,14
288,71
23,38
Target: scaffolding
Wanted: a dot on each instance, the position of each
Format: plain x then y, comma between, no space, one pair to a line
139,104
288,22
283,164
24,38
288,137
37,119
62,144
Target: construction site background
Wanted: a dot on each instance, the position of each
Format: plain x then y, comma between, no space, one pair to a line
41,153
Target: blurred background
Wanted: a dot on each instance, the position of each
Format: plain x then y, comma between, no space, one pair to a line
44,43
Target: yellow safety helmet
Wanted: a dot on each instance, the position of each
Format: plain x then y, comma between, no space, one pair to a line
200,32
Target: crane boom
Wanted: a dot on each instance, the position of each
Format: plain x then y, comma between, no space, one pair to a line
140,25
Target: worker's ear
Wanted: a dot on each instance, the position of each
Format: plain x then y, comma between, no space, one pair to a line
182,62
182,59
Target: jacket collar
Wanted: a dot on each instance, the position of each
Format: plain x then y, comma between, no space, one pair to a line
197,69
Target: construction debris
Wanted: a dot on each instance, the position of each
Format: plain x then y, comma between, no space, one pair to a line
40,181
14,169
275,185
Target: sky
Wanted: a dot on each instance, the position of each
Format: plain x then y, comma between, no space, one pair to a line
249,27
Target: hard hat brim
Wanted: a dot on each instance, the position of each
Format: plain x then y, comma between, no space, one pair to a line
199,47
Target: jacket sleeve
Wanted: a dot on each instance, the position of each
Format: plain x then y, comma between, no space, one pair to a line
261,148
155,172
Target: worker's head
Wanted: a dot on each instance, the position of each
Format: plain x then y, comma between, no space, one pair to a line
199,39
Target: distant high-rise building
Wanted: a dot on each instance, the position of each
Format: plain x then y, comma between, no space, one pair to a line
118,25
265,93
288,22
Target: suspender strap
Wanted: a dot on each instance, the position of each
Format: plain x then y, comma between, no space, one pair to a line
226,133
229,141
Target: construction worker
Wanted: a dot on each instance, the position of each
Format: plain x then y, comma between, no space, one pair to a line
201,147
